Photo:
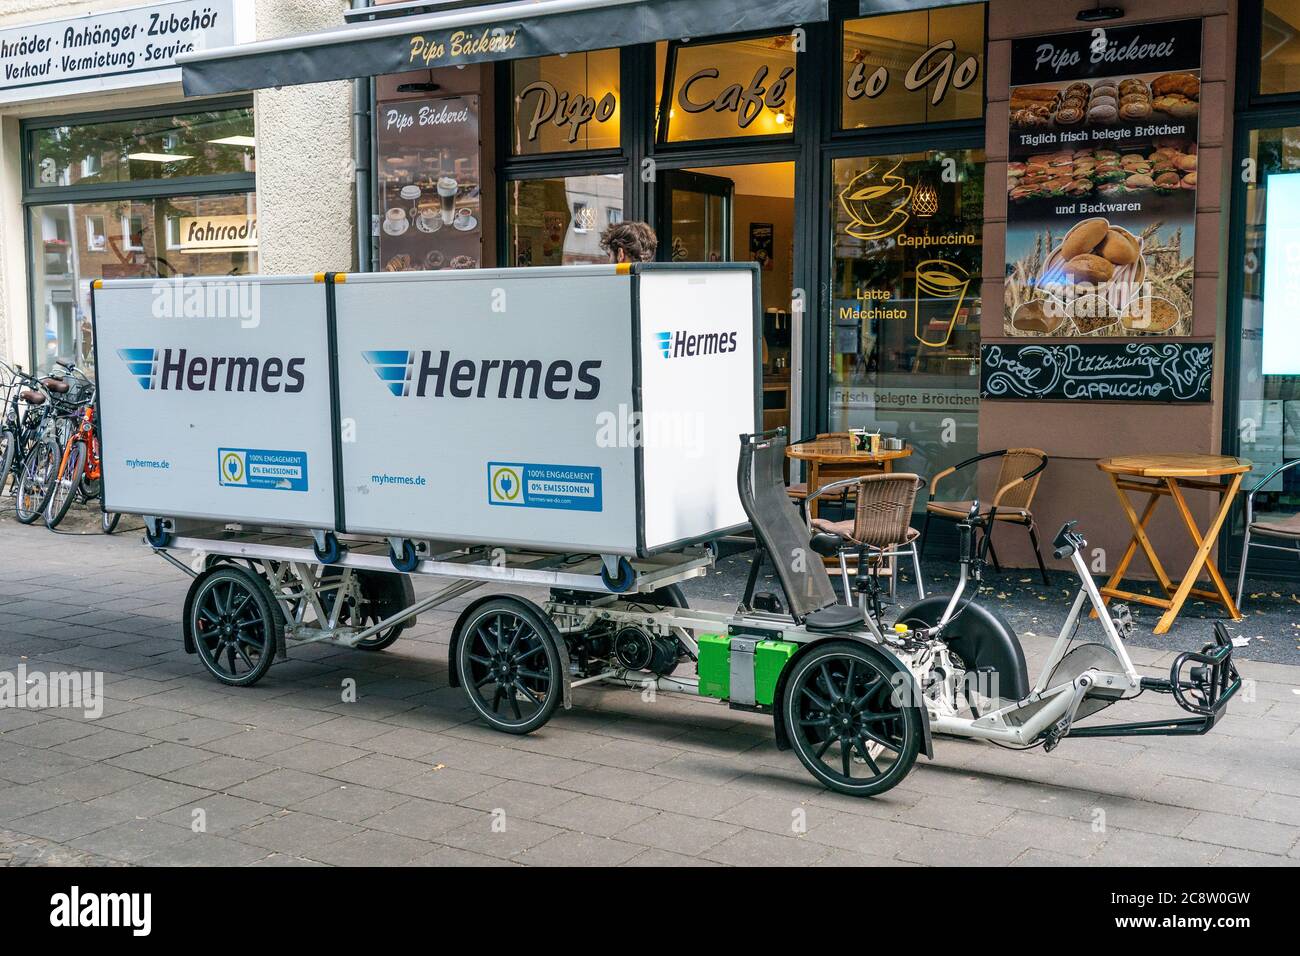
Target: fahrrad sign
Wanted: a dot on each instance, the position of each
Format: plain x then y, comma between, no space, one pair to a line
115,48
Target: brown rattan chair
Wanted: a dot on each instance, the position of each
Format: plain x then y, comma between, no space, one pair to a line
1276,528
1013,502
880,528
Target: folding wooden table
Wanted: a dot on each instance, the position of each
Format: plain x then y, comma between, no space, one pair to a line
1168,475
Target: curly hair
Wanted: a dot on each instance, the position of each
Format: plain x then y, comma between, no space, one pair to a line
637,240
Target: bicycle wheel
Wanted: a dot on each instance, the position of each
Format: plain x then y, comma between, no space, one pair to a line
108,521
37,481
8,446
66,485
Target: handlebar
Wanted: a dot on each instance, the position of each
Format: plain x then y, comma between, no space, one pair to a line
1068,541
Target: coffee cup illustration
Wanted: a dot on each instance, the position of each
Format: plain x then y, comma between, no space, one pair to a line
940,291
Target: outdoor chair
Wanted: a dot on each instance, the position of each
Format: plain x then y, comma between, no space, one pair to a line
1013,501
880,528
1276,529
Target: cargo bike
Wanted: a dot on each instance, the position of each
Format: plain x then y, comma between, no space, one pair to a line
856,700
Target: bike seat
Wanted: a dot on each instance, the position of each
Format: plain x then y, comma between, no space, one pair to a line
58,386
31,396
835,617
826,544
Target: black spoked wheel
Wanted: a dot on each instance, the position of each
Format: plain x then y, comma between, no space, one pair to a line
66,487
845,723
236,625
508,661
36,482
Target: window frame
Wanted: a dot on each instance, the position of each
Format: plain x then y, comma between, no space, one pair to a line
143,189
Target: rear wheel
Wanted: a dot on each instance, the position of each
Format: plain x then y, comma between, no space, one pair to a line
108,521
67,485
508,660
845,722
236,625
36,482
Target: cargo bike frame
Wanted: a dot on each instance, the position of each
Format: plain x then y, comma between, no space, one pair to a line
857,701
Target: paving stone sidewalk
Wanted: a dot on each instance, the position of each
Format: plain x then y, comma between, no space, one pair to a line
287,773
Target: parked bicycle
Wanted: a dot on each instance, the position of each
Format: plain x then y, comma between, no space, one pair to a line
27,410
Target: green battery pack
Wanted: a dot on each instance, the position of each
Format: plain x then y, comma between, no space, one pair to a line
714,666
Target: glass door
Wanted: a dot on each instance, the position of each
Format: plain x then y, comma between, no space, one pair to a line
741,213
1267,413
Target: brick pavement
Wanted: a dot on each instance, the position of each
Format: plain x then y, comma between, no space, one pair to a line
288,773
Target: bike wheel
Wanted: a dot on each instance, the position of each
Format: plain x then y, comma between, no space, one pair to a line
66,485
37,481
8,447
236,624
509,664
844,722
108,521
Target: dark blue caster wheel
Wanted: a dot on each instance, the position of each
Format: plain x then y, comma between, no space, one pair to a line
626,576
332,552
157,539
408,560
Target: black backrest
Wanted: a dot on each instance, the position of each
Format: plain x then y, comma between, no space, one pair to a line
778,526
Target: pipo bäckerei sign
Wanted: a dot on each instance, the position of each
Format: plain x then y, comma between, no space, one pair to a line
132,45
1098,372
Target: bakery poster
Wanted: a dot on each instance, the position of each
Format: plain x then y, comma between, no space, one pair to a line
1101,181
431,211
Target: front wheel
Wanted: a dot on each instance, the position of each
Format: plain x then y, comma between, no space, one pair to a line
508,660
845,721
108,521
66,486
8,448
36,482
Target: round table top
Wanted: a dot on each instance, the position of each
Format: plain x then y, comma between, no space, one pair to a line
1175,465
837,449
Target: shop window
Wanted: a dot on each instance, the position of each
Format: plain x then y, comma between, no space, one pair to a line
729,89
75,243
565,103
210,143
1268,410
1279,47
905,279
925,66
430,190
553,222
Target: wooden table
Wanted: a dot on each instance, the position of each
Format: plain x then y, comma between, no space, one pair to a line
1168,475
831,458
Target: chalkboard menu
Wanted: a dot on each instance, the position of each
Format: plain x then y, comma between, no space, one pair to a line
1097,372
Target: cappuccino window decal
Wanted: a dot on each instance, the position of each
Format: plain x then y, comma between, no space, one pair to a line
565,103
729,89
924,66
1101,182
905,279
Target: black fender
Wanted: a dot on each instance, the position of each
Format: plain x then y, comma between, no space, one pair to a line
982,638
907,686
562,646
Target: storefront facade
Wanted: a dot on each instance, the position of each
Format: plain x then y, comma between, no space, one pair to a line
109,171
908,175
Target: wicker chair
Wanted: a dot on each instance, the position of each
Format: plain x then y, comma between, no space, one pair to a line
879,529
1277,529
1013,502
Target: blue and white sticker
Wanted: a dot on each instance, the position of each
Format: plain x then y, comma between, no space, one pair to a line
520,485
262,468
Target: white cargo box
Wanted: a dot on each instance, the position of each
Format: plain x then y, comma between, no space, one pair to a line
585,409
214,399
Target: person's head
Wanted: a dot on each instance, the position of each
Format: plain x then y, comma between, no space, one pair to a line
629,242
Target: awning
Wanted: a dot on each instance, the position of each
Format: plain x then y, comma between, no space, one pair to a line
503,31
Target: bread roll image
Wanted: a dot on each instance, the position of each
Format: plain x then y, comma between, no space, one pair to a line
1042,94
1185,163
1140,109
1120,247
1189,181
1137,181
1102,113
1183,84
1084,237
1089,268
